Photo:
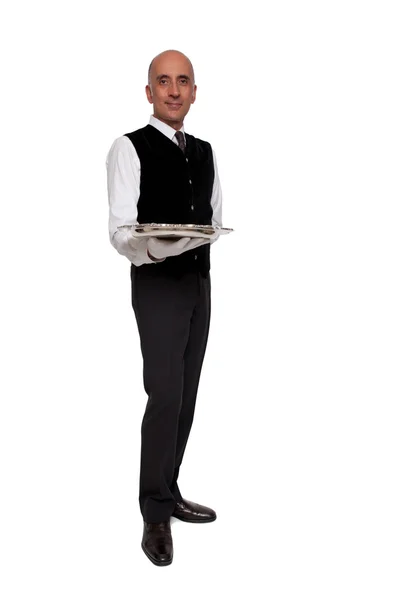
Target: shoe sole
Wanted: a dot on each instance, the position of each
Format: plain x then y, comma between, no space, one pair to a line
158,563
195,520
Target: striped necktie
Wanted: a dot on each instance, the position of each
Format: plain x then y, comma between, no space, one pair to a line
181,140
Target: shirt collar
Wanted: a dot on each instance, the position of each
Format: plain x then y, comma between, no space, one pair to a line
164,128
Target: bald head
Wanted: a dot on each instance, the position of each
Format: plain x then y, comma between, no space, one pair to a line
171,87
161,61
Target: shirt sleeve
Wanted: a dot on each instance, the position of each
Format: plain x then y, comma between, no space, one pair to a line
123,186
216,198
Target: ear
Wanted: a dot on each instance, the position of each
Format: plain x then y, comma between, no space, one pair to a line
194,94
148,94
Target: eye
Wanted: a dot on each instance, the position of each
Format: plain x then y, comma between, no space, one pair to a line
184,81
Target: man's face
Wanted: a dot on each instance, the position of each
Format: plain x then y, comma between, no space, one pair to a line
173,90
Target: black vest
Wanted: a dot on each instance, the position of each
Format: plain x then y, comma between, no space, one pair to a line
175,188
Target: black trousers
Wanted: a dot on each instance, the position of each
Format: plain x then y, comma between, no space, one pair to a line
173,317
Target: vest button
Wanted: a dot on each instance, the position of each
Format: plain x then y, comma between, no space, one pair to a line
192,207
187,160
196,256
190,181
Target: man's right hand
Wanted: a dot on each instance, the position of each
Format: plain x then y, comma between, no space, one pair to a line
159,249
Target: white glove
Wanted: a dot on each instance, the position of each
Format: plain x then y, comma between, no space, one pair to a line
136,243
161,249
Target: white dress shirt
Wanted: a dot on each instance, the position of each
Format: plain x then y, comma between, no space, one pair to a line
123,183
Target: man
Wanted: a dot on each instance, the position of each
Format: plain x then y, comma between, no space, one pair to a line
160,174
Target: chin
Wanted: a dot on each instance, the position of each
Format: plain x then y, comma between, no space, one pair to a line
173,117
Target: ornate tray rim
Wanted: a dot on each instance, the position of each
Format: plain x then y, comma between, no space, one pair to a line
174,229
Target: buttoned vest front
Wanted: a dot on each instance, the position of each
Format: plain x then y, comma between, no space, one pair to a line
175,188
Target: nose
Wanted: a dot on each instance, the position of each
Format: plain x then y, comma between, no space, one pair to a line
173,89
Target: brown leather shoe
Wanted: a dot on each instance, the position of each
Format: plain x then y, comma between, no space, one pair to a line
157,542
193,513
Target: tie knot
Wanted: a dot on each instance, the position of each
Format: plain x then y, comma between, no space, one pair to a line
181,140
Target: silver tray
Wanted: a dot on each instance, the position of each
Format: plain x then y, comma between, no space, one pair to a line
166,230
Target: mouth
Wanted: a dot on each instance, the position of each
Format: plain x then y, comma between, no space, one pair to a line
173,105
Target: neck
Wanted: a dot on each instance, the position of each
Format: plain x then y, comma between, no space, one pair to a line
175,124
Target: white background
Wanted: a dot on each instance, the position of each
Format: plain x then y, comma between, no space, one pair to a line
302,438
